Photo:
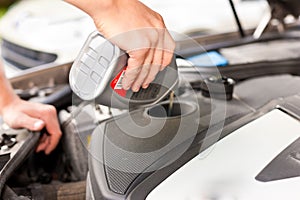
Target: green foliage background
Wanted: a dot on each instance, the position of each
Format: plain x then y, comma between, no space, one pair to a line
2,11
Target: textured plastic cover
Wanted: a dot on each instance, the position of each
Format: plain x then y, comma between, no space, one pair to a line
124,157
111,183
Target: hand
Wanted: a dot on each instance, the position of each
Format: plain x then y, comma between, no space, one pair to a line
139,31
34,116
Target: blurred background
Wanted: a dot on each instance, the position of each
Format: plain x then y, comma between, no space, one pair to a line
43,32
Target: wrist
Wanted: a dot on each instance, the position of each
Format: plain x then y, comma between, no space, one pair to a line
7,94
7,101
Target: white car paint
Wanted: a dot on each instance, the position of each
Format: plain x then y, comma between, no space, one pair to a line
228,169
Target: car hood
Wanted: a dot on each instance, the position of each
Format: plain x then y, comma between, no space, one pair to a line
38,23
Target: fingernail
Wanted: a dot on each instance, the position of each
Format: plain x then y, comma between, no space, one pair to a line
135,89
38,125
37,150
47,152
145,86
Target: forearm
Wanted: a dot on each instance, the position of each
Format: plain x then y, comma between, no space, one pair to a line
91,7
7,94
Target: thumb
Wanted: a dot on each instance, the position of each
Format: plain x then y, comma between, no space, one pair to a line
25,121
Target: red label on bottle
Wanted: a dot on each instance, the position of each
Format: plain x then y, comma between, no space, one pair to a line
116,83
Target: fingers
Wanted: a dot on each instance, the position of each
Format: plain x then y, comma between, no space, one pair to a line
35,116
155,67
144,63
135,61
25,121
156,62
43,143
49,116
144,71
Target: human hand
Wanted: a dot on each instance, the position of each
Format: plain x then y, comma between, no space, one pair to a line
34,116
139,31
